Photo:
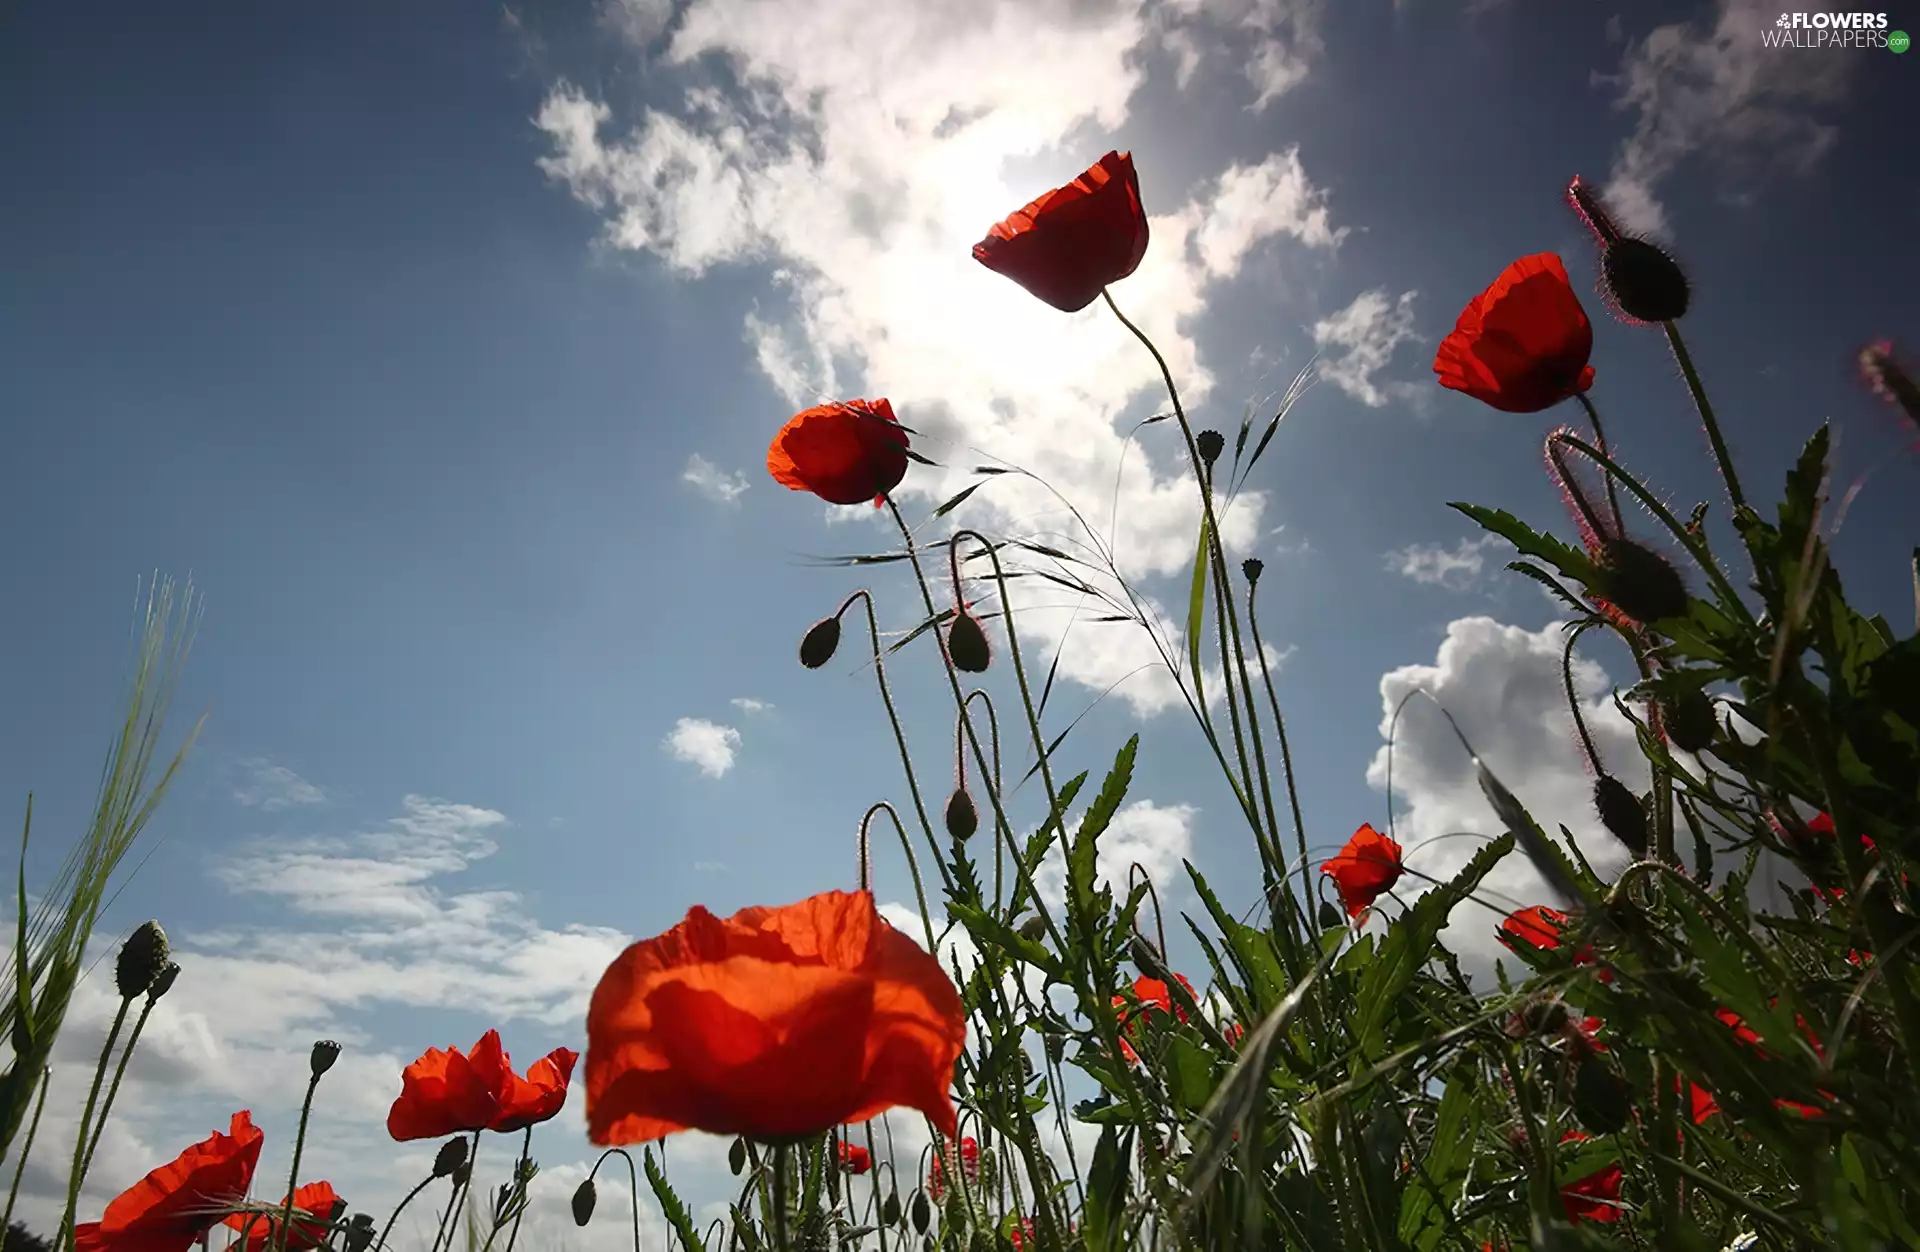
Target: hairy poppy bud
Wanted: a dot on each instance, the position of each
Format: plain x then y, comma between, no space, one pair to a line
1620,813
1329,916
1891,382
1211,444
1639,581
584,1197
737,1156
890,1210
1642,281
462,1173
1689,720
1034,928
1602,1100
360,1232
1253,567
967,644
142,957
164,983
922,1213
325,1053
817,646
451,1156
962,818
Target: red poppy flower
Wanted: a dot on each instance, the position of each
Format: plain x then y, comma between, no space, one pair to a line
774,1023
1075,240
446,1093
172,1206
1749,1036
1594,1197
855,1159
845,453
1522,344
1153,997
968,1149
1541,926
1367,867
1704,1105
1020,1235
313,1207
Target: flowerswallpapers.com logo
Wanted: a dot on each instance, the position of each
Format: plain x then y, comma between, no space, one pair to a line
1834,30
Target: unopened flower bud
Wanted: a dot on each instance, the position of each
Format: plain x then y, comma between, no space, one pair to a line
1620,813
142,957
164,983
1253,567
963,819
818,645
1328,916
737,1156
1034,928
360,1232
1690,721
967,644
452,1155
1889,380
1639,581
1642,281
462,1174
1211,444
325,1053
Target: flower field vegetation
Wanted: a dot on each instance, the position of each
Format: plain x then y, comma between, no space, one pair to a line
1663,1064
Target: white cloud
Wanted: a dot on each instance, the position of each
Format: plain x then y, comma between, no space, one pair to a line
865,190
1719,93
1359,341
271,788
1456,568
1274,41
707,745
713,482
749,705
1156,837
1503,685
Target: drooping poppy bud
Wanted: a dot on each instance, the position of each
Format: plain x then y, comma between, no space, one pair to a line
325,1053
1253,567
1642,281
584,1198
1602,1100
142,957
1620,813
1690,721
1328,916
1034,928
1889,380
890,1210
737,1156
922,1213
1211,444
963,819
820,642
451,1156
967,644
1639,581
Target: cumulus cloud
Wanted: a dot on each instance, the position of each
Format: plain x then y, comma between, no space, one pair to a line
1155,837
708,746
1456,568
1715,92
865,189
1274,42
1503,685
713,482
271,788
1359,341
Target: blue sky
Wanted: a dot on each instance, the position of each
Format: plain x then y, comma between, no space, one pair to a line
441,345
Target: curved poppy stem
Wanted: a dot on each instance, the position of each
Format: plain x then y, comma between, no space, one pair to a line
1573,700
526,1155
293,1179
633,1185
404,1201
461,1185
1600,440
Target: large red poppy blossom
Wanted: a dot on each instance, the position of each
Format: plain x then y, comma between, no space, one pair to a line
1593,1197
847,452
172,1206
775,1023
968,1150
1075,240
1364,869
313,1207
450,1092
1522,344
1540,926
1153,996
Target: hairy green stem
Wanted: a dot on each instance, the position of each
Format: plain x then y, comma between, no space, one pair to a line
78,1172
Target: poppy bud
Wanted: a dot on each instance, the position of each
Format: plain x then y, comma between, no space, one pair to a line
1642,281
1889,380
1034,928
1639,581
452,1155
462,1173
1689,720
1252,567
1602,1100
817,646
962,818
360,1232
1620,813
164,983
1211,444
1544,1017
922,1213
1329,916
967,644
1145,955
737,1156
325,1053
890,1211
142,957
584,1197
